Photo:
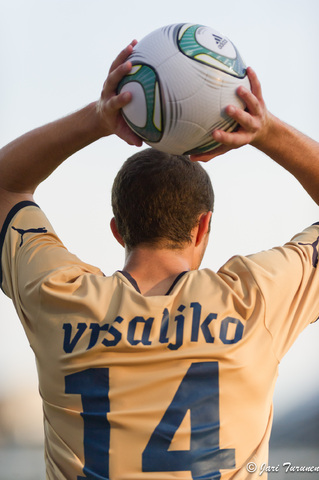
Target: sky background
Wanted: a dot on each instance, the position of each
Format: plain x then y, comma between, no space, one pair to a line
54,57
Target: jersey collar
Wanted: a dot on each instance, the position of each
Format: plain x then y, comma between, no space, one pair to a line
135,285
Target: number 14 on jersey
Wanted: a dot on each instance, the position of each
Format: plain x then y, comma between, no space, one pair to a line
198,393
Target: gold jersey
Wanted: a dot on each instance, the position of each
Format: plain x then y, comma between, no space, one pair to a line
175,386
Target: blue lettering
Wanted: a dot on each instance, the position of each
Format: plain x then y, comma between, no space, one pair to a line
96,328
116,334
68,344
197,310
146,330
164,327
139,329
179,319
224,330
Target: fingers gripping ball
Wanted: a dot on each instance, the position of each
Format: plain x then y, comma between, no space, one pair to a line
183,77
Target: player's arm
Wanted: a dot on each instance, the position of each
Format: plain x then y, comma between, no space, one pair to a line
28,160
293,150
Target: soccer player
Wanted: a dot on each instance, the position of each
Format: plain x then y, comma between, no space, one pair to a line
161,370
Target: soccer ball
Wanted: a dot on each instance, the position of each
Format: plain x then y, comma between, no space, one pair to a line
183,77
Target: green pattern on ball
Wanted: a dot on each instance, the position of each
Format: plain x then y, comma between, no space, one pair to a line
146,77
191,48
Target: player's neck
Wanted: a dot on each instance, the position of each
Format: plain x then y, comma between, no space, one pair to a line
155,270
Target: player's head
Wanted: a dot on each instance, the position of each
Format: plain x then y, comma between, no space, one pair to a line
157,199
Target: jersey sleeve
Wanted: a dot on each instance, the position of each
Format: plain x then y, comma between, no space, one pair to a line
287,279
35,266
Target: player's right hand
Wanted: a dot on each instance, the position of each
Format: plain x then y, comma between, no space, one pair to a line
254,122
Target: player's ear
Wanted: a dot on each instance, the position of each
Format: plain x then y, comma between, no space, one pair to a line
115,232
203,226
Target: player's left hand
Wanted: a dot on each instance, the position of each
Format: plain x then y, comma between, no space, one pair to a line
110,103
254,122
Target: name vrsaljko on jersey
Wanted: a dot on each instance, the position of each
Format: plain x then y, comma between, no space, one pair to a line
139,330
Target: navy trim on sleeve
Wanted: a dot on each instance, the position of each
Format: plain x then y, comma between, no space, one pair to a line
11,214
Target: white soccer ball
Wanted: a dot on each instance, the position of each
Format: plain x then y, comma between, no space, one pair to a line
183,77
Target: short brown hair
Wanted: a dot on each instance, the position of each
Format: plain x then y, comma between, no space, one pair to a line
157,198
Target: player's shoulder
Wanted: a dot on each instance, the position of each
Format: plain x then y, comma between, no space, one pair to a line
311,233
206,282
13,213
293,260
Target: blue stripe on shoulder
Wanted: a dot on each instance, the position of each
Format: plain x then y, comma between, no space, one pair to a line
11,214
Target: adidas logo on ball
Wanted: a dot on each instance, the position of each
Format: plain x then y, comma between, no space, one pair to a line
220,41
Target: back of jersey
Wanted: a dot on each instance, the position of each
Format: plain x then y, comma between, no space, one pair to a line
162,387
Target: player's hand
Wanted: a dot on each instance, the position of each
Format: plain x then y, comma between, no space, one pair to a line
253,122
109,105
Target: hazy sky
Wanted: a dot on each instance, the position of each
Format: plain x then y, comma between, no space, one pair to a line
54,57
